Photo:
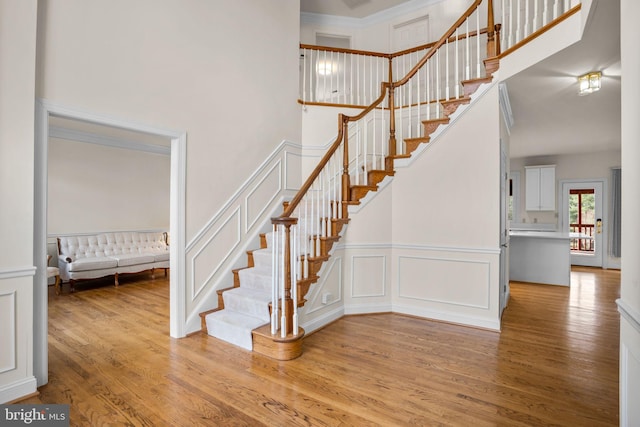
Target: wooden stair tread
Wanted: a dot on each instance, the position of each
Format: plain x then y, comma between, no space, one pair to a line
418,139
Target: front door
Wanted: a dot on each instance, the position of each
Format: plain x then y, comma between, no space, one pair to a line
582,214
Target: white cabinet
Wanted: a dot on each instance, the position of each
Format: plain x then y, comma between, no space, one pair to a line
540,188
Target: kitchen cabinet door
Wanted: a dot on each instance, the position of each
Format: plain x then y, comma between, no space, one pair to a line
540,188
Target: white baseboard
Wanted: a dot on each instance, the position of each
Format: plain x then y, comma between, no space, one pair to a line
18,389
458,319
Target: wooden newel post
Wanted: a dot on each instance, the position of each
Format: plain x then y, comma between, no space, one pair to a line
392,122
497,37
346,181
491,40
285,300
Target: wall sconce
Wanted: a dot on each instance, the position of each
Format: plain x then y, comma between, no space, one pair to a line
589,83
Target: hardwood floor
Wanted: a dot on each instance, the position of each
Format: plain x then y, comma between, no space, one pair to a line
555,363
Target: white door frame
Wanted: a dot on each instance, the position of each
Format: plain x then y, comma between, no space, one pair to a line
600,184
46,109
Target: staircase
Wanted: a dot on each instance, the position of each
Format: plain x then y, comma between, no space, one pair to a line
259,313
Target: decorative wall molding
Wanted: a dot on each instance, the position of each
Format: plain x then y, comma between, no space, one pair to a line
325,274
278,152
109,141
406,247
10,273
264,188
430,265
271,195
9,337
233,223
356,259
629,313
376,18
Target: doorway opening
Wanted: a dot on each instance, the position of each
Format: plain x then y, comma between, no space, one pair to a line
582,215
45,112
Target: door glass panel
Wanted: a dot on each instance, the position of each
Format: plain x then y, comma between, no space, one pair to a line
582,220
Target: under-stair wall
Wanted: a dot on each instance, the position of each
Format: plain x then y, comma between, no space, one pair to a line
440,257
221,244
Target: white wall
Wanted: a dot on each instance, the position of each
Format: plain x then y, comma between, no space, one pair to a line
227,75
95,188
629,303
596,166
189,65
374,33
574,166
17,81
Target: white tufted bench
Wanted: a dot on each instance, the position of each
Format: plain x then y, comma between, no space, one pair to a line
100,255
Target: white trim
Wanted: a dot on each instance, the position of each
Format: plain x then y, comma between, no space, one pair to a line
487,292
396,246
563,212
629,313
247,198
448,317
19,389
109,141
238,228
324,320
10,273
46,109
373,19
241,189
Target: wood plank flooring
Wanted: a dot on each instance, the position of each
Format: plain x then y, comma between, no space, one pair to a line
554,363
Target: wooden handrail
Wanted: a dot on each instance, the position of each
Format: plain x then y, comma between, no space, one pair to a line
389,55
541,31
344,50
309,182
438,44
428,45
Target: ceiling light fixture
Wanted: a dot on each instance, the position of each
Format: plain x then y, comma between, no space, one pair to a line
589,83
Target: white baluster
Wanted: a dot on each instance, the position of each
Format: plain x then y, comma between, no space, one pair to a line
527,29
344,78
479,61
428,67
510,29
457,66
518,22
294,283
545,13
438,93
274,280
283,318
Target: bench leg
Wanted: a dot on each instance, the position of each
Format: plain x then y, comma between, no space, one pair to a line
116,280
57,285
153,273
165,272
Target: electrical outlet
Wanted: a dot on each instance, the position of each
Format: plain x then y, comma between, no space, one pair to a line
326,297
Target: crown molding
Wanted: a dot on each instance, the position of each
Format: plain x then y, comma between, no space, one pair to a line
376,18
109,141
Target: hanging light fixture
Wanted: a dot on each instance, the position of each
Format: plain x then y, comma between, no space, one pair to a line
589,83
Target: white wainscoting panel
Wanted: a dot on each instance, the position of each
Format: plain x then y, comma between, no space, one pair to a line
16,337
221,244
8,327
629,364
368,276
263,195
430,279
316,314
208,260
